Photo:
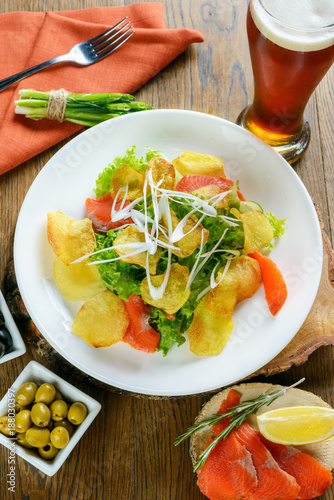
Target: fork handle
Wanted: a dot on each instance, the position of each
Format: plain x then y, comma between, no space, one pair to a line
6,82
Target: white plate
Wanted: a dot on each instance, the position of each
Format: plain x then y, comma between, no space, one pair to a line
34,372
69,177
19,347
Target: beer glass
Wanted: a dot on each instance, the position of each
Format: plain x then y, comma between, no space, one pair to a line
291,46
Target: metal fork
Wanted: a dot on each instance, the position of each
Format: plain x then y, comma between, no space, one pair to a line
84,53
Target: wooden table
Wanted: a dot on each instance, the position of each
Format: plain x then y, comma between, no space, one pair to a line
128,452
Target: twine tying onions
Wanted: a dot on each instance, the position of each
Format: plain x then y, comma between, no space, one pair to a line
83,109
57,105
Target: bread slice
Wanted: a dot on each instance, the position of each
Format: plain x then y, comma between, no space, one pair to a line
322,452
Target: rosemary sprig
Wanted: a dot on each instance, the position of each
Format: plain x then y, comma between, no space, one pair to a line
237,415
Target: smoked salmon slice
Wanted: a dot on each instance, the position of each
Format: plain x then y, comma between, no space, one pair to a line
273,482
228,473
274,284
190,183
139,333
98,210
312,477
232,399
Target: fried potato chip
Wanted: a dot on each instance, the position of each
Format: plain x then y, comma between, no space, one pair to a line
102,320
240,282
175,294
197,163
77,281
70,238
207,192
131,235
257,229
207,333
126,175
188,244
162,169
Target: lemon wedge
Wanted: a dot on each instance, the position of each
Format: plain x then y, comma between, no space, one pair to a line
297,424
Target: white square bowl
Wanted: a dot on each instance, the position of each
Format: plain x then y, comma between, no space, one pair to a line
19,347
37,373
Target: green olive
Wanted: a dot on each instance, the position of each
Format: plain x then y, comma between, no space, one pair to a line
58,395
45,394
19,408
40,415
37,437
65,423
7,425
59,437
26,393
77,413
48,452
58,410
21,439
50,425
23,421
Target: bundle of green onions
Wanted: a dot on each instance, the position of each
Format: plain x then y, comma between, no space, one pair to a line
83,109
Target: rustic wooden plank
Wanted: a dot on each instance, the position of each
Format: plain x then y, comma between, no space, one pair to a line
318,328
325,106
311,168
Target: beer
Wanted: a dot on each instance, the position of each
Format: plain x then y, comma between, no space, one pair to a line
292,47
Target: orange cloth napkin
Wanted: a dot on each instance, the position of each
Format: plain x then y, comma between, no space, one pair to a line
29,38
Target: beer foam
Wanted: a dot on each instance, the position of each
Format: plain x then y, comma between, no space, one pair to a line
301,25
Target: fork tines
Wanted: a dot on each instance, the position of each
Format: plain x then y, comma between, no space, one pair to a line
112,39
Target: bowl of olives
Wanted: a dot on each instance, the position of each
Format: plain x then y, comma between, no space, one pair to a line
44,417
11,342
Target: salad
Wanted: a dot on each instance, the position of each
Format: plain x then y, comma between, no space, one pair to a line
167,249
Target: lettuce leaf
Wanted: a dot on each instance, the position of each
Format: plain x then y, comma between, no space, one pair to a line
154,153
278,225
119,277
170,330
103,185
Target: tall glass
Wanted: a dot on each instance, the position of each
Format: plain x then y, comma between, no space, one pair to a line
291,46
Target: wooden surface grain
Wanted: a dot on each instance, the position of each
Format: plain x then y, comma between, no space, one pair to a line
128,452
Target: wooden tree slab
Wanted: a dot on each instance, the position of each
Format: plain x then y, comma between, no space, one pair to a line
317,330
